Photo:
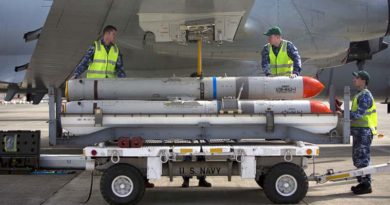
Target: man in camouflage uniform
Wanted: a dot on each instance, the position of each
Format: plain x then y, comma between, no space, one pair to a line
280,57
363,128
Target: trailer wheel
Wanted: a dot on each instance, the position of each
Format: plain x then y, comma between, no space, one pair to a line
286,183
122,184
260,181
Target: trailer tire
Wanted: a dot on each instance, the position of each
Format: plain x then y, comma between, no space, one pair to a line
286,183
260,181
122,184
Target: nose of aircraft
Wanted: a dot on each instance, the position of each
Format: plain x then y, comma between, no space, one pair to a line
311,87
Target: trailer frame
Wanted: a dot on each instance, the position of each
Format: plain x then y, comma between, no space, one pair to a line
257,161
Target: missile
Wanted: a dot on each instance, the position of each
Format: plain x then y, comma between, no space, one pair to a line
208,88
195,107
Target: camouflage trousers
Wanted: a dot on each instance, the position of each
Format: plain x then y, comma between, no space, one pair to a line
199,159
361,147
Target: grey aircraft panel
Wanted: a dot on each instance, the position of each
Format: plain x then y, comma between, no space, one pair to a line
378,68
320,29
16,19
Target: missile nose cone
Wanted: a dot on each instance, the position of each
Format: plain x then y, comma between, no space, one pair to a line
319,107
311,87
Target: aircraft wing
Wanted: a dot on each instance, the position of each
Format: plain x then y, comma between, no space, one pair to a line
152,46
70,28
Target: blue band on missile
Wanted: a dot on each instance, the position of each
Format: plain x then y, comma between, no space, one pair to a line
215,87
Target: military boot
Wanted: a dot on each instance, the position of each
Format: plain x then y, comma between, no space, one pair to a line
204,183
186,182
363,188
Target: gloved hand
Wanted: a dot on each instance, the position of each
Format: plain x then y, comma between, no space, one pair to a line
338,104
293,75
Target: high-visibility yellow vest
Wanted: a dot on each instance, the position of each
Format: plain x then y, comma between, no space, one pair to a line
280,65
370,117
103,64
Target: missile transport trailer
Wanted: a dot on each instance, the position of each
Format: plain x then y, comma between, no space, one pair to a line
270,146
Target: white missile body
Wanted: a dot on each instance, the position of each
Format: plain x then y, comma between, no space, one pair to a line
141,107
192,107
208,88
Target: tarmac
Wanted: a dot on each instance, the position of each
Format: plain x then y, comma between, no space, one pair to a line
73,188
